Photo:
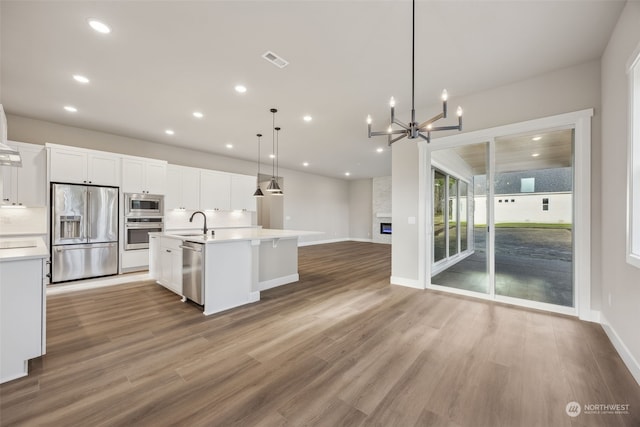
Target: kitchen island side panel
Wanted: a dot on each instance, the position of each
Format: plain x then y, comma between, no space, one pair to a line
227,275
278,263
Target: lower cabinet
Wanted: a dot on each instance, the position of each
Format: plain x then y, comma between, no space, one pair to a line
22,315
168,264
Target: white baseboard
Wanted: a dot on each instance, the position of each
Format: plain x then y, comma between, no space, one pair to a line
83,285
279,281
350,239
402,281
254,296
322,242
594,316
628,359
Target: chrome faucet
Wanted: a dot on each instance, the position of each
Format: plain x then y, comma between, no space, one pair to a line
205,220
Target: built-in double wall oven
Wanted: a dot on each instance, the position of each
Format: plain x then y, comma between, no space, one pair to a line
142,215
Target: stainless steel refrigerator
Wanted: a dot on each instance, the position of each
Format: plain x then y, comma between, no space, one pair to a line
84,231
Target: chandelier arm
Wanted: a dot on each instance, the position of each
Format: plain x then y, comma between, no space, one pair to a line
426,138
394,132
457,127
401,124
391,141
433,119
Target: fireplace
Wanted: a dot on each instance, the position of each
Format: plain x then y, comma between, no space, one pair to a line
385,228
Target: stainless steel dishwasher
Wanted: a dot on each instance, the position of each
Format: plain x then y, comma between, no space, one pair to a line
193,272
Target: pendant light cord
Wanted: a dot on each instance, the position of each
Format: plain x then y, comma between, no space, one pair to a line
273,146
258,177
413,56
277,152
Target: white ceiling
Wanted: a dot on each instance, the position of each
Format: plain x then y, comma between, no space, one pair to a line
165,59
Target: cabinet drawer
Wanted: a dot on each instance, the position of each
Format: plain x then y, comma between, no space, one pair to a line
173,244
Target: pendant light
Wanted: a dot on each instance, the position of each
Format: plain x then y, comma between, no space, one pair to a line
278,192
273,184
258,192
414,129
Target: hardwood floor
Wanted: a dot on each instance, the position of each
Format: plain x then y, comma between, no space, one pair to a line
340,347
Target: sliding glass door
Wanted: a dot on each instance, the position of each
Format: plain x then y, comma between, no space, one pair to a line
459,249
502,223
533,217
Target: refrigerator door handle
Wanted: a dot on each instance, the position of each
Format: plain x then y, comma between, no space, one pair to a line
88,223
83,247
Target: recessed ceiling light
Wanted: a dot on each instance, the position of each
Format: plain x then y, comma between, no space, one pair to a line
71,109
536,138
240,89
379,149
272,156
169,132
307,118
80,79
347,173
535,154
305,164
198,114
229,146
99,26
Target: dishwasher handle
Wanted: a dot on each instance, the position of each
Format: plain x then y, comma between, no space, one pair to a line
191,248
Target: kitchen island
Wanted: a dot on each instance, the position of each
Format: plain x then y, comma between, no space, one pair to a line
236,264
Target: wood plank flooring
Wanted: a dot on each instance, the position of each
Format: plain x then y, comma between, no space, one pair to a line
340,347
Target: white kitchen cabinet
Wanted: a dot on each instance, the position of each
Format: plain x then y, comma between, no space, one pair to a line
81,166
154,257
26,185
22,315
215,190
170,268
183,188
242,189
134,260
140,175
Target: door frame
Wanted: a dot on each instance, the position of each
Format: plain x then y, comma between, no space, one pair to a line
580,121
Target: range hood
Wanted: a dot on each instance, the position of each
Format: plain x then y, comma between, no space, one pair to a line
8,155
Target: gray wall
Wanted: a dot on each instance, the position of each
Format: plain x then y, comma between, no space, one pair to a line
311,202
360,205
570,89
620,281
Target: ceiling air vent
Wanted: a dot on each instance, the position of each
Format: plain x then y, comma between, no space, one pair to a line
275,59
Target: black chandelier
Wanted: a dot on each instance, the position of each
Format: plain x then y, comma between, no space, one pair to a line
414,129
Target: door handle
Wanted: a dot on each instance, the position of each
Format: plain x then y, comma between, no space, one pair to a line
88,225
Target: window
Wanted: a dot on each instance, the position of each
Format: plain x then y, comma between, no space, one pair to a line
633,228
527,185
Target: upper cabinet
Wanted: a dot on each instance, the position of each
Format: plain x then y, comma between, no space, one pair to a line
227,191
27,185
183,188
242,189
215,190
81,166
140,175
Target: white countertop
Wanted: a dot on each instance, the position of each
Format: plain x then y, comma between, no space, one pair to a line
228,235
16,248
